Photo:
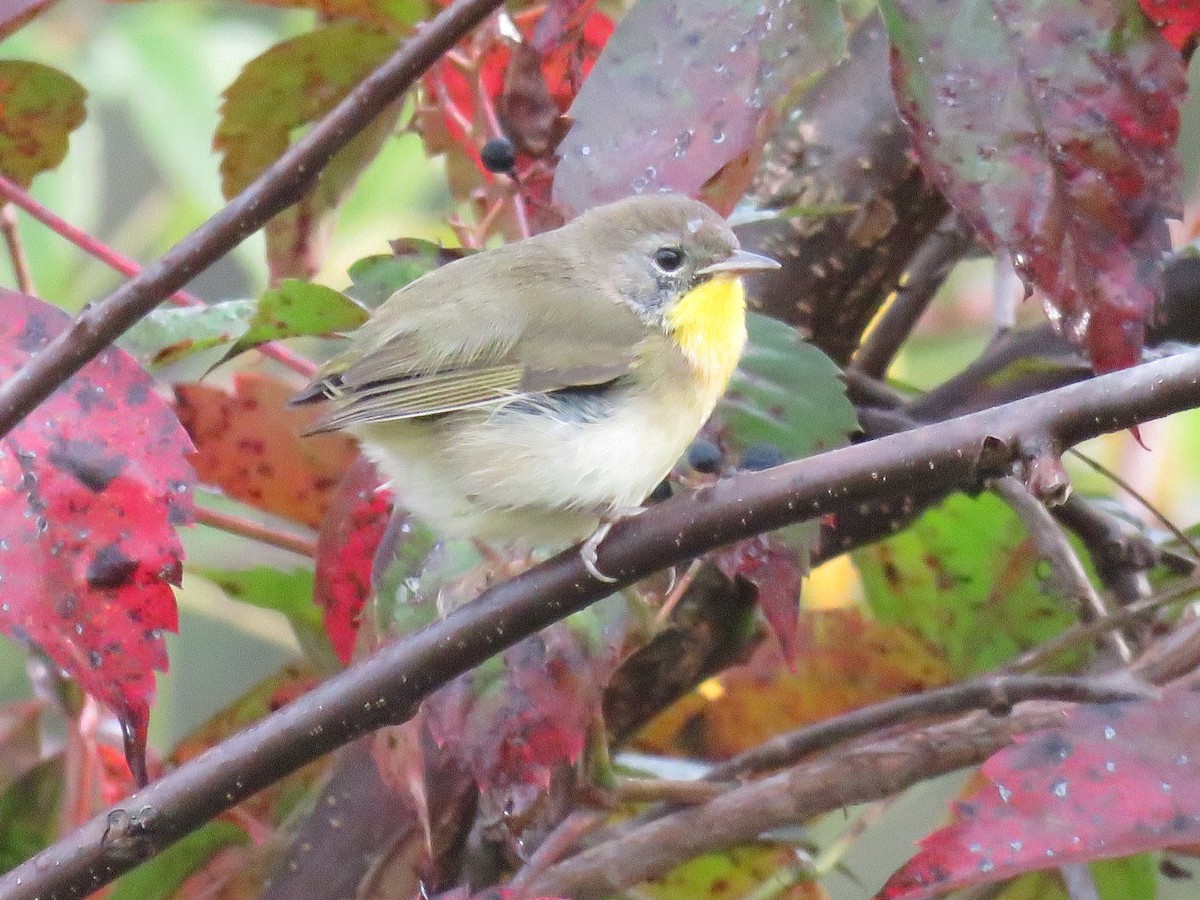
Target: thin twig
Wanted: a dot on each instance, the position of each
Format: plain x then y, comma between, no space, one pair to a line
684,792
1051,541
14,195
257,531
1179,533
385,688
1081,634
998,693
556,845
920,282
282,184
869,770
16,250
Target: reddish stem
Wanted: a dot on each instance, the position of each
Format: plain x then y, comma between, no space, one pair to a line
14,194
16,250
257,531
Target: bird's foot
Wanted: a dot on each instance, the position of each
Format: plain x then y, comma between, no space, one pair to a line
588,551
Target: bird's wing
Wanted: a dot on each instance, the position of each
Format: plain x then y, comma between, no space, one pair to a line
442,345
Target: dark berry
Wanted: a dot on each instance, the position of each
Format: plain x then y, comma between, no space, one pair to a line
498,155
761,456
660,493
704,456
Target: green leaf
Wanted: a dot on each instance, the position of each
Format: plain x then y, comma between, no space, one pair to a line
297,308
39,108
375,278
790,395
294,309
280,92
290,593
786,392
1125,877
287,592
159,878
171,333
738,872
390,14
967,577
29,812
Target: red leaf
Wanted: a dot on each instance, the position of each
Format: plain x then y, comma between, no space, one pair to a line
528,90
92,485
685,90
1114,781
1052,127
776,571
516,732
1177,20
249,444
346,545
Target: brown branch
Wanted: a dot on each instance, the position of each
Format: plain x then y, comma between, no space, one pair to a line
283,183
949,242
864,772
386,687
997,694
1071,579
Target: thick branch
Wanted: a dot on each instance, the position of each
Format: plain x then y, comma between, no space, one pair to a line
285,182
386,688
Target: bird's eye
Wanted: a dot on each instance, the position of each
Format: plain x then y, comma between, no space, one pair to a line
668,258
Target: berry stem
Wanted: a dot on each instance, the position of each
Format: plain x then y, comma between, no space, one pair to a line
15,195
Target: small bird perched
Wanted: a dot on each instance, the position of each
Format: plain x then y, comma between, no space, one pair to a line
537,392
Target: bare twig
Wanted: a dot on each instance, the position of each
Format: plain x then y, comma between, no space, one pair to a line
867,771
16,250
1088,631
834,780
997,693
1052,543
920,281
16,196
283,183
257,531
567,833
1179,533
386,687
683,792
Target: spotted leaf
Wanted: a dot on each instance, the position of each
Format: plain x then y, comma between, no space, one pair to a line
1051,127
346,546
39,108
92,485
249,444
1113,781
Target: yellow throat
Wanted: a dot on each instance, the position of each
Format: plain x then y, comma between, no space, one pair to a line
709,325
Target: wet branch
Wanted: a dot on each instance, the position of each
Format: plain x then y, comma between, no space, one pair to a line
386,688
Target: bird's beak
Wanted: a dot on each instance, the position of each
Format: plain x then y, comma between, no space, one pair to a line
739,263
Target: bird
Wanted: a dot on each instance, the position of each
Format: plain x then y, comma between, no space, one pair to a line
535,393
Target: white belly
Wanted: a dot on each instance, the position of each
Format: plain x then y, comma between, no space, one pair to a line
515,474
